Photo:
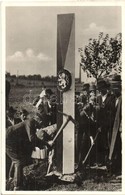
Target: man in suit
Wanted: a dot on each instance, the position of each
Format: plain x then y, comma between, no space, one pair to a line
105,118
48,108
10,121
21,139
79,105
88,118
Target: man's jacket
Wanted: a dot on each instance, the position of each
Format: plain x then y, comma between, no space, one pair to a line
22,138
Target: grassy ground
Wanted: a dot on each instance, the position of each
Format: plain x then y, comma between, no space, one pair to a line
24,96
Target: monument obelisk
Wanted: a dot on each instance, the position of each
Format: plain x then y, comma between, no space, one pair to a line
65,145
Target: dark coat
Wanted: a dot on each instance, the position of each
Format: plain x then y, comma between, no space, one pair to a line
7,88
16,121
106,111
49,114
105,118
22,139
7,92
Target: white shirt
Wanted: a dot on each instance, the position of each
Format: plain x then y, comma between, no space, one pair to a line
104,97
11,121
116,102
42,94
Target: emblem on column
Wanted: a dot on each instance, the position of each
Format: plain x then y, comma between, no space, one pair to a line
64,80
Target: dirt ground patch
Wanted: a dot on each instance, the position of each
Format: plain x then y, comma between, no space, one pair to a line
89,180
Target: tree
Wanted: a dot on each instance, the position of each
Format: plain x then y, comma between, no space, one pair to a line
101,56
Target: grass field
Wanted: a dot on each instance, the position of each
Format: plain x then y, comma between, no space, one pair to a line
23,97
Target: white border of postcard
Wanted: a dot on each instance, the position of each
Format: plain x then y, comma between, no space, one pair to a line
2,79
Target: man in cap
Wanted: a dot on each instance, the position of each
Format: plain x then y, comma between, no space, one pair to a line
21,139
10,121
105,114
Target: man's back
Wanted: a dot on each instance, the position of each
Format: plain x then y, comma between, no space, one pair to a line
19,137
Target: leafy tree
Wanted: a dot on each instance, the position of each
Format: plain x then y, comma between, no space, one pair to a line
101,56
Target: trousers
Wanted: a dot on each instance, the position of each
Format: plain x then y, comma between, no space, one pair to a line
18,163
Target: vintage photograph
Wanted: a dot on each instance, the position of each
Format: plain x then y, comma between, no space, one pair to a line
63,98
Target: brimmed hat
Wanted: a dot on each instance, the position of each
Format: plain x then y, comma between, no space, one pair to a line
86,87
102,84
116,81
116,78
92,88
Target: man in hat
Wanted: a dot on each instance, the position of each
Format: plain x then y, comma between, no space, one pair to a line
85,92
92,94
105,114
10,121
88,122
21,139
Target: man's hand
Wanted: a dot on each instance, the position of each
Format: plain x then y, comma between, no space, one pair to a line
50,143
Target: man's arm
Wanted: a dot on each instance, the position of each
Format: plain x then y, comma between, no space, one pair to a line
31,126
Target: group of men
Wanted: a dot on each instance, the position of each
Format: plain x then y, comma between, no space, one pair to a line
22,137
98,112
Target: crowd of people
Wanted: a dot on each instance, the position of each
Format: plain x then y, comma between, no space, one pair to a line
98,114
23,137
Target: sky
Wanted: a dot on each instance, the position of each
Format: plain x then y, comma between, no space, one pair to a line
31,35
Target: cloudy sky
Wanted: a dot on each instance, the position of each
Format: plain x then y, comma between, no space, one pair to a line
31,34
